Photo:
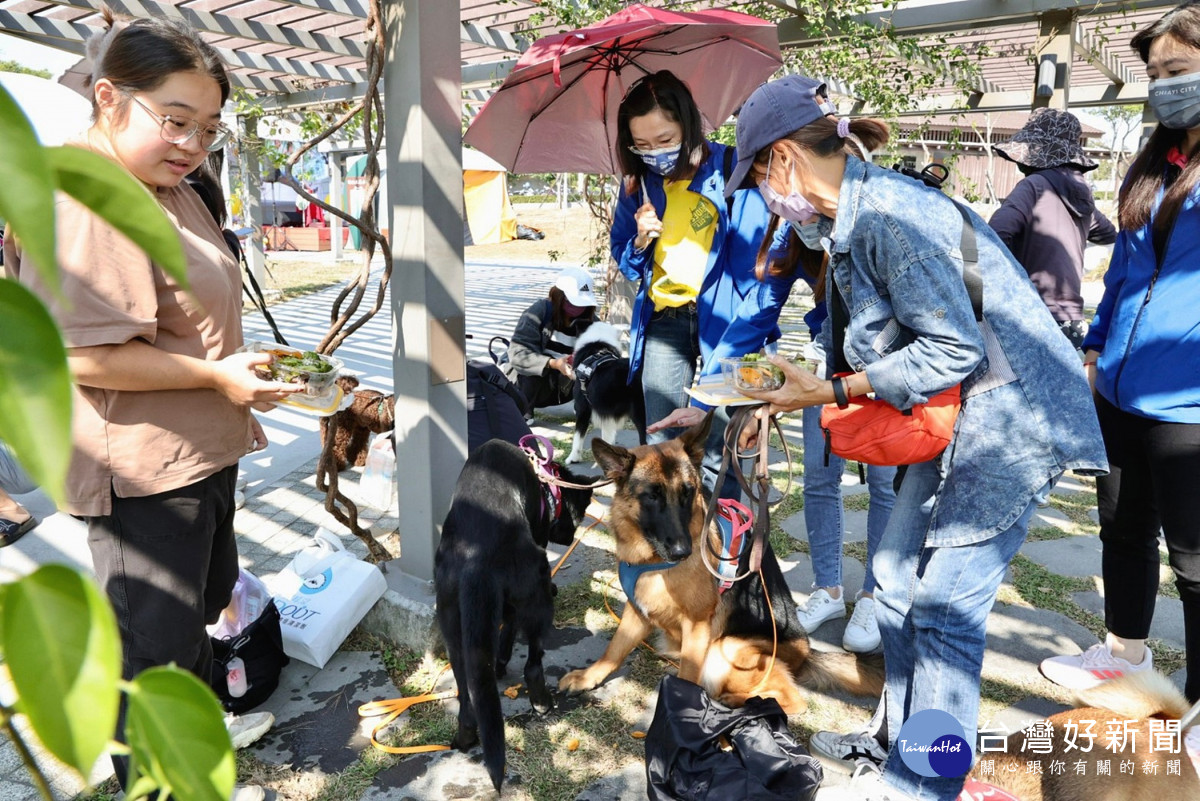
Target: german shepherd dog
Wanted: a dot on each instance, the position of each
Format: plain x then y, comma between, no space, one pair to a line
1126,704
491,569
602,388
725,641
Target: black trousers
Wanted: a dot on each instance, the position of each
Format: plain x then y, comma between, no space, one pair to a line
168,563
1154,485
550,389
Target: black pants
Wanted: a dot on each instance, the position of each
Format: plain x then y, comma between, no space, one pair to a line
168,563
550,389
1154,484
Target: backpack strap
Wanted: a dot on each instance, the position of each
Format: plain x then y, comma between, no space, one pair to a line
728,173
500,382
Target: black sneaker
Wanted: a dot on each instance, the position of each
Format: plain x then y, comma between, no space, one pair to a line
11,531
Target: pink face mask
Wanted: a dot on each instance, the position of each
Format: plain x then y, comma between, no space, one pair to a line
793,208
573,311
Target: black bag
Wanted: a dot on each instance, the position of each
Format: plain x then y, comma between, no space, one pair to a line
496,408
260,645
688,757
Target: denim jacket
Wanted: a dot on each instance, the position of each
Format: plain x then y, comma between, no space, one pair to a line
1027,414
732,316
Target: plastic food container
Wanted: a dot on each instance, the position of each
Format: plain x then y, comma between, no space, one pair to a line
295,366
753,374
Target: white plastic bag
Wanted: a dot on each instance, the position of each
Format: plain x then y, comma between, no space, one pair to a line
321,595
250,598
378,485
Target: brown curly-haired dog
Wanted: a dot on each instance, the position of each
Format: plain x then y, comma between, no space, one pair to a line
371,412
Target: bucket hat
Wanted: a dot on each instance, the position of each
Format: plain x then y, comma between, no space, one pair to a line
576,284
1049,138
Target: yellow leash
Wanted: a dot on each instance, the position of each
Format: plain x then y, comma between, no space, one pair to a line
393,708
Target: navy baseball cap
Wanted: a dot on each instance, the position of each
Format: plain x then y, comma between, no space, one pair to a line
773,111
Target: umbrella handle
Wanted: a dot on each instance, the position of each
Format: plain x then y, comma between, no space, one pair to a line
645,200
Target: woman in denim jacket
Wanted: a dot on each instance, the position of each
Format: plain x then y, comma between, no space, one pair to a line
1143,353
1026,416
691,253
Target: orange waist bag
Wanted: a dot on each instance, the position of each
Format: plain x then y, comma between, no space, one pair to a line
875,432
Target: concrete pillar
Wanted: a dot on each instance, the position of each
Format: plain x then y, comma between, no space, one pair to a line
423,135
252,183
336,189
1055,43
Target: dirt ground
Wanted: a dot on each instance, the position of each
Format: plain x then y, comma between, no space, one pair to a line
570,237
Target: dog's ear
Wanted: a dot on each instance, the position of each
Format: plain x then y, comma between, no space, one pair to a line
695,438
615,461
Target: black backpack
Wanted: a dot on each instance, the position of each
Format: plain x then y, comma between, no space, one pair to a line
260,645
496,408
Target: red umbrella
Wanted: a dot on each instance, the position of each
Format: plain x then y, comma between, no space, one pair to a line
557,110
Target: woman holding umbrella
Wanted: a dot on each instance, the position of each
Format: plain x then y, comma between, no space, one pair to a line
690,250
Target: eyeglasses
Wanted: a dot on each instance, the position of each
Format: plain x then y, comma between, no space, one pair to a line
178,130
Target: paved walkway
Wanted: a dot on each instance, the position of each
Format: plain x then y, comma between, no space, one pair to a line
319,747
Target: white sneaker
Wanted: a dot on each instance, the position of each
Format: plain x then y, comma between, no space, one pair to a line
821,608
247,792
866,784
845,752
246,729
862,632
1091,668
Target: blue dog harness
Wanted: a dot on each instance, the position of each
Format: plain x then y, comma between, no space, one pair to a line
629,575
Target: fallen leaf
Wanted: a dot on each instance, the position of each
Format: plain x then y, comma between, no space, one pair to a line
513,691
638,735
573,745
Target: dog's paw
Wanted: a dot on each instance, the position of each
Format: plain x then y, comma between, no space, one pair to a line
541,699
578,681
465,739
574,458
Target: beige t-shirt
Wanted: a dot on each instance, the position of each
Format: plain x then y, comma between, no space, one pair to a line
141,443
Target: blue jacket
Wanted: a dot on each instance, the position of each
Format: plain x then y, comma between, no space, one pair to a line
1027,414
730,306
1147,326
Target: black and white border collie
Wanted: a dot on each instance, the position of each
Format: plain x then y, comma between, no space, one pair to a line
600,388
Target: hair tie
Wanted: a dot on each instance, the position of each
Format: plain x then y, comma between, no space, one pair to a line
843,127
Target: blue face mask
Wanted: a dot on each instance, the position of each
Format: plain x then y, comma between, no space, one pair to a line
809,233
661,160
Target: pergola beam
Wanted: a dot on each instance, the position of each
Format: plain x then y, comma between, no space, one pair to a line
340,93
1103,59
345,8
482,75
71,36
963,15
1081,96
493,38
224,24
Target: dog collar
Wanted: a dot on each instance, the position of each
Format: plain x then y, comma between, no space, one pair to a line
585,369
629,575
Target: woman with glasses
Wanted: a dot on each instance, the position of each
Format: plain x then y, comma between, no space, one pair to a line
161,400
691,252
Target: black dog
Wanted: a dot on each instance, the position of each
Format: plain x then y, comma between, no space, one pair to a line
601,388
491,569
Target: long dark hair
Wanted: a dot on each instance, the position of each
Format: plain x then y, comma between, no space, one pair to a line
820,138
1150,169
559,318
139,55
663,91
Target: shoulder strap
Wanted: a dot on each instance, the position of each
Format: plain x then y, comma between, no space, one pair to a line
972,279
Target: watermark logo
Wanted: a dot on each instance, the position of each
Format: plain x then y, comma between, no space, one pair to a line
932,743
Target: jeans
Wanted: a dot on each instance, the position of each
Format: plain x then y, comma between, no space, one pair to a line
933,605
823,516
1152,485
668,366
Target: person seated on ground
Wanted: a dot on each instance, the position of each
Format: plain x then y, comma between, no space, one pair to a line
15,519
1050,216
539,356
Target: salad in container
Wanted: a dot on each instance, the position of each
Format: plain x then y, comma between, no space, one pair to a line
315,371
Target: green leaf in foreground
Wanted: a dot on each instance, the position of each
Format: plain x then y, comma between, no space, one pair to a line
176,730
35,388
27,191
124,204
60,641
